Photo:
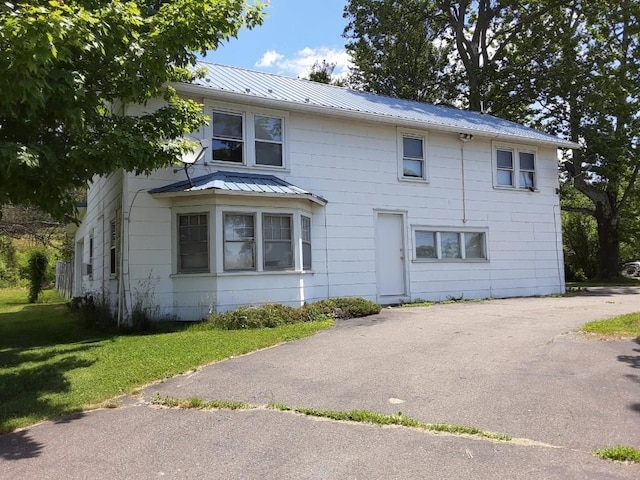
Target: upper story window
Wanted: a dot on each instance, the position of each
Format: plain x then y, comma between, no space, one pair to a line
412,161
515,168
247,138
268,140
227,144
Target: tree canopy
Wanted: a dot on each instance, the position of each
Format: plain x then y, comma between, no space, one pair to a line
69,68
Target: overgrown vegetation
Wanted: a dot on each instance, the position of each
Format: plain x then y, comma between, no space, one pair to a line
273,315
38,261
52,365
623,326
619,453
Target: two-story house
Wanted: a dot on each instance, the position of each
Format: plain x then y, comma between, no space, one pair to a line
308,191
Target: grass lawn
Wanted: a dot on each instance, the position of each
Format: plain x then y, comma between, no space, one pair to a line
623,326
618,282
52,366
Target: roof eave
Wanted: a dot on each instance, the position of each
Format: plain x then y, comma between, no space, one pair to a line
365,116
241,193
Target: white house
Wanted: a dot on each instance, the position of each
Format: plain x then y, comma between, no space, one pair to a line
309,191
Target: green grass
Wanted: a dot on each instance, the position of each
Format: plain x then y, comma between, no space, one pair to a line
619,453
51,366
366,416
623,326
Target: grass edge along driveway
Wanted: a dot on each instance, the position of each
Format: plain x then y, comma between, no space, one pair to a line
51,366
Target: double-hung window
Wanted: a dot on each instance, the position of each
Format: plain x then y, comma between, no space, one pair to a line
268,140
448,245
239,241
227,144
193,243
515,168
413,157
306,242
277,238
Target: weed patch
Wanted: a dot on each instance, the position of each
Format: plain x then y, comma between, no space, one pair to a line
619,453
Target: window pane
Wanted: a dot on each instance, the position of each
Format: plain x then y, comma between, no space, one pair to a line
474,245
306,229
238,227
426,245
269,154
227,150
505,178
412,147
227,125
505,159
527,180
412,168
450,245
268,128
278,255
239,255
277,227
306,256
527,161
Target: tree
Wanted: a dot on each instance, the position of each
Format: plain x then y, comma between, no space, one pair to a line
589,89
396,50
445,51
321,72
69,68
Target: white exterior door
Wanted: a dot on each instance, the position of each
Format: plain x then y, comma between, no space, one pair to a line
390,257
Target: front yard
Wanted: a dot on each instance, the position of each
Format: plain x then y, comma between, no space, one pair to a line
50,365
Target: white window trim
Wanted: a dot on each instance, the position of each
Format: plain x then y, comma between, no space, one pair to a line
248,129
516,149
461,231
191,210
296,215
419,134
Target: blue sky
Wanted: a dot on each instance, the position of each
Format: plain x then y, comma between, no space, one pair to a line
295,34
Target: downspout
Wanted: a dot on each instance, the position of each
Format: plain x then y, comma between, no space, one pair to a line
464,138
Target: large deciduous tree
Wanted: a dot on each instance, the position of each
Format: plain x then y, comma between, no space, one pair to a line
68,68
445,51
588,83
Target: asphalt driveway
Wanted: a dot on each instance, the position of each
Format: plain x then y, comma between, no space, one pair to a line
513,366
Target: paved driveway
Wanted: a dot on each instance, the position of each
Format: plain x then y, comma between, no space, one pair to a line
513,366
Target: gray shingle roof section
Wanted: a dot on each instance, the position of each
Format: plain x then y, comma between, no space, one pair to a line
313,95
230,182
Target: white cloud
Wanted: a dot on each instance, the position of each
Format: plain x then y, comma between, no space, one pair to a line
269,58
299,64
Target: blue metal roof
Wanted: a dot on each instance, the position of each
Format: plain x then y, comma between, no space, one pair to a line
239,183
287,92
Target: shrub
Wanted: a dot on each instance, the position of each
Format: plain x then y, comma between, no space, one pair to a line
38,262
94,312
273,315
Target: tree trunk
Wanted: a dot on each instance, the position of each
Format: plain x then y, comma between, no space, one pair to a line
609,239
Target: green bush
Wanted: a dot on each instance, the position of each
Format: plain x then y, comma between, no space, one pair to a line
9,272
38,261
273,315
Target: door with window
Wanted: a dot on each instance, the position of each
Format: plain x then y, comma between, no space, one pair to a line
390,257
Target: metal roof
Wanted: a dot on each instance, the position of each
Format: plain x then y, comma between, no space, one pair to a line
239,84
239,184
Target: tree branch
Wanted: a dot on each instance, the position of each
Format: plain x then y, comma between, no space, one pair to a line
583,210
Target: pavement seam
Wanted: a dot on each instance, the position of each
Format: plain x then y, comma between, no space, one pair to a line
198,404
